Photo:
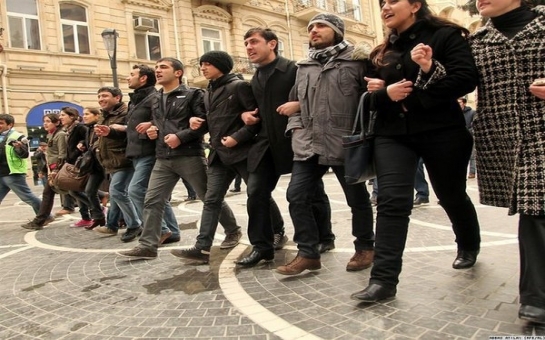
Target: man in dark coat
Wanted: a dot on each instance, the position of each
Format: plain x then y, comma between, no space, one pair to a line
271,154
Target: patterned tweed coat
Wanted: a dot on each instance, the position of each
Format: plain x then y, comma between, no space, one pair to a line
510,122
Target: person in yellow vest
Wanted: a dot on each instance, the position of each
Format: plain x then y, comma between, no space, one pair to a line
13,163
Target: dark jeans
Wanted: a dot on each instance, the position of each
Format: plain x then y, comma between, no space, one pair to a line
532,260
48,198
420,183
445,153
91,191
165,175
304,185
261,224
83,203
220,177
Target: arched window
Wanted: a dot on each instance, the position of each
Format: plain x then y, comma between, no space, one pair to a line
75,28
24,27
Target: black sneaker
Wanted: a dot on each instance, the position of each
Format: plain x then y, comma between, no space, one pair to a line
420,201
138,253
131,234
172,239
280,241
31,225
193,253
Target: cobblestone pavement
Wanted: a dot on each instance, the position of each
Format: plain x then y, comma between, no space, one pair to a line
68,283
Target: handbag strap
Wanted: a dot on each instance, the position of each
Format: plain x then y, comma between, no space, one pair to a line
366,116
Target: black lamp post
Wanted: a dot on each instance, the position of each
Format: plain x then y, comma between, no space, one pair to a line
109,36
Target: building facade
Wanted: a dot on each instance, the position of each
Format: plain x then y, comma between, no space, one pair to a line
52,52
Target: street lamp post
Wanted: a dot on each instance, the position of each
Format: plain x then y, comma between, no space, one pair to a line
109,36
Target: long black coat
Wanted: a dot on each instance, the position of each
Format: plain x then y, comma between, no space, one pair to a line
433,103
273,125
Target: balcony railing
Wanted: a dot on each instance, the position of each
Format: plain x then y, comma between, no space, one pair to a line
241,65
308,8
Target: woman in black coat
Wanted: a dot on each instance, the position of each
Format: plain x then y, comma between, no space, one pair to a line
75,134
421,70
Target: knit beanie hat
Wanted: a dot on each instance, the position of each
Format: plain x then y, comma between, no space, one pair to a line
331,20
221,60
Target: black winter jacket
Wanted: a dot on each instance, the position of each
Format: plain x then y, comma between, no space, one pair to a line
182,104
225,100
433,105
77,135
138,144
273,125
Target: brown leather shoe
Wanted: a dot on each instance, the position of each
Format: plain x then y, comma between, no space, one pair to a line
298,265
361,260
165,236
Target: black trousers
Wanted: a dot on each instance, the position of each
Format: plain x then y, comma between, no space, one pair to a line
532,260
445,154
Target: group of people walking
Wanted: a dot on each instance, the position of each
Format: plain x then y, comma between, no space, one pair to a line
290,119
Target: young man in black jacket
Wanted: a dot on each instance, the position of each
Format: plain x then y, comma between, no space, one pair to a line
226,98
141,149
179,153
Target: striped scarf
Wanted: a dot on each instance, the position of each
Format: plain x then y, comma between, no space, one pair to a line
326,54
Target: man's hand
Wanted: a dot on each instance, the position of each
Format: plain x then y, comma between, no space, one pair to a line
16,144
421,54
374,84
143,127
81,147
172,140
152,132
250,117
102,130
229,141
118,127
195,123
400,90
289,108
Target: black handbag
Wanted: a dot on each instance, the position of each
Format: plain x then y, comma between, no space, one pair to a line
359,164
85,163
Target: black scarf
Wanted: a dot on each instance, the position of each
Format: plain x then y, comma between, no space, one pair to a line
510,23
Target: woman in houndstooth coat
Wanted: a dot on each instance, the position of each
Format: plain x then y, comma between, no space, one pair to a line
509,129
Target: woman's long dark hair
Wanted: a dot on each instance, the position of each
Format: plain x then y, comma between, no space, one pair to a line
423,14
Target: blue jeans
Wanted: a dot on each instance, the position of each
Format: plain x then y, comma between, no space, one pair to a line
17,183
164,176
119,184
420,183
445,153
137,192
305,181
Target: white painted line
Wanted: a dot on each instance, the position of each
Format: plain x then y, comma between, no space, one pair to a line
237,296
15,251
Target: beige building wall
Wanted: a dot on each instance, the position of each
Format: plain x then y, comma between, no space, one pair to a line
31,77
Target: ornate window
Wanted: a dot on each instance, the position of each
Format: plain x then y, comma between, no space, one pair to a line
147,38
281,51
24,27
211,40
75,28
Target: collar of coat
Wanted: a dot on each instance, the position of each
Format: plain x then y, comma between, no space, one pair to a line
488,34
118,109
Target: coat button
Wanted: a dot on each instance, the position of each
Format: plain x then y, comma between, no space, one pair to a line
398,66
412,36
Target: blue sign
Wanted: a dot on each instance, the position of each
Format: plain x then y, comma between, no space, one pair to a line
36,114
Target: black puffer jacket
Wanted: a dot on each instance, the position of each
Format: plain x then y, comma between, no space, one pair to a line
225,100
181,104
138,144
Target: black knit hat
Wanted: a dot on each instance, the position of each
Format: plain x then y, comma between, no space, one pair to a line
331,20
221,60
